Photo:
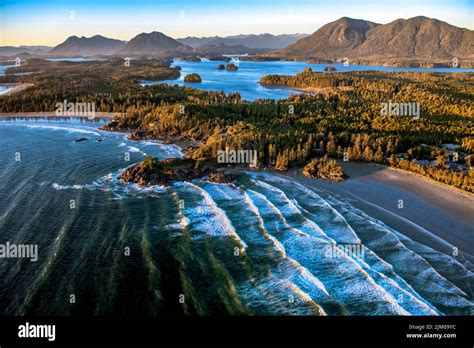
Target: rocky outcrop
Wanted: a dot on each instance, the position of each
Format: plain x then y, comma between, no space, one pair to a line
191,59
231,67
165,172
193,77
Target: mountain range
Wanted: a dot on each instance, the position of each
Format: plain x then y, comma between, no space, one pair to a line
88,46
154,44
418,38
12,50
222,48
261,41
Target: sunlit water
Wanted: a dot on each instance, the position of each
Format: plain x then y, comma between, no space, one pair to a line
246,79
258,246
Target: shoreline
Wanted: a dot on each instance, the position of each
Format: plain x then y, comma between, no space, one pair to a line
433,215
15,88
442,184
312,90
52,114
317,90
438,216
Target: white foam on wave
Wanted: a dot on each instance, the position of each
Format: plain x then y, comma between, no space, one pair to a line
205,216
66,129
57,186
414,269
387,240
290,211
344,279
326,217
162,150
112,183
383,272
181,224
133,149
297,287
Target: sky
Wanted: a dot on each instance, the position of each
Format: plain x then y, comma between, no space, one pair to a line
50,22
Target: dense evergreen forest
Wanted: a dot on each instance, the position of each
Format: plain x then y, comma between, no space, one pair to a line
344,124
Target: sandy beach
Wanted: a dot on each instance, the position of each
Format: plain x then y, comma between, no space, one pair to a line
15,87
432,214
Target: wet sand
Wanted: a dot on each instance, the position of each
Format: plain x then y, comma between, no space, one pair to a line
432,214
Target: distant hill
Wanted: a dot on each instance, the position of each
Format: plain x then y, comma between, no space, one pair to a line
222,48
87,46
261,41
155,44
195,42
37,47
13,50
418,38
337,38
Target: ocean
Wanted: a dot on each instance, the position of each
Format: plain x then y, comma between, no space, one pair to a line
263,245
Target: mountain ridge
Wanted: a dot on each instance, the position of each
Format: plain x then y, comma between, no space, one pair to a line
255,41
155,44
414,38
96,44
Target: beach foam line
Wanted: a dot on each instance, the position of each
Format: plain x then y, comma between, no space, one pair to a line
324,215
343,278
236,203
290,211
277,297
59,128
449,267
204,215
413,268
112,183
377,265
411,223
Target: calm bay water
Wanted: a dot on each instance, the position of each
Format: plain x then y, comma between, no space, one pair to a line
4,89
245,80
259,246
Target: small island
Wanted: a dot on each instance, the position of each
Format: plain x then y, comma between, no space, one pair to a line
324,168
330,68
231,67
193,77
214,57
191,59
152,171
221,67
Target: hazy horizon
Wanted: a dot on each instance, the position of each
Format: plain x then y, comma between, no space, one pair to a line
25,22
